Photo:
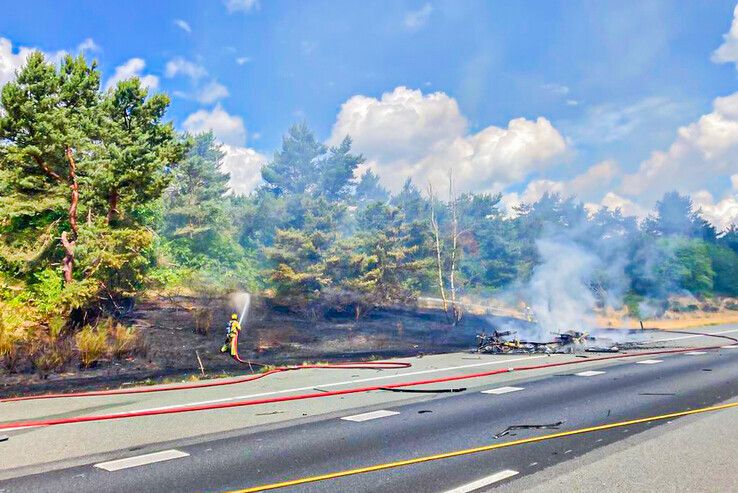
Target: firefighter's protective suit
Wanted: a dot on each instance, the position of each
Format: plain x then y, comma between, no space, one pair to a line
234,328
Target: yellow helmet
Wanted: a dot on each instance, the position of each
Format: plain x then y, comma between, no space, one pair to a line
234,316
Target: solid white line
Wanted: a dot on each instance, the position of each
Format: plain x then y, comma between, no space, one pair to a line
502,390
589,373
141,460
649,362
732,346
368,416
707,334
481,483
346,382
695,353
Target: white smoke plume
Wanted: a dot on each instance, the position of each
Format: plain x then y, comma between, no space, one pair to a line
559,289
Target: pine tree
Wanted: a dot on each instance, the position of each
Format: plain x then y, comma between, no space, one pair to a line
136,151
47,129
369,189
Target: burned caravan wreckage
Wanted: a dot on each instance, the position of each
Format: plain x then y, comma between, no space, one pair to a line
571,341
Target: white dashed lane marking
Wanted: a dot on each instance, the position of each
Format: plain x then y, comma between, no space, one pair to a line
502,390
481,483
649,361
382,413
589,373
695,353
141,460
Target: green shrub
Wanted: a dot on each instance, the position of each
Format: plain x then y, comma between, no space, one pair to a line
632,302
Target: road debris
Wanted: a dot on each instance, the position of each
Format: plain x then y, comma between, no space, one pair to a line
550,426
507,342
424,391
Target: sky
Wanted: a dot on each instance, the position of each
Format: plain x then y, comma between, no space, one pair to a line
616,102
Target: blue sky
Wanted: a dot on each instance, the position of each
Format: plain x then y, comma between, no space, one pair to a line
615,80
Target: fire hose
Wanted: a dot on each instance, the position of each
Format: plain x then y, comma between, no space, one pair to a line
272,400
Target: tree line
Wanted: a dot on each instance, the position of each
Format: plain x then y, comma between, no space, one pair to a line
101,198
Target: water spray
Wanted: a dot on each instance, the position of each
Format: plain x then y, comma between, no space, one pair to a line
246,305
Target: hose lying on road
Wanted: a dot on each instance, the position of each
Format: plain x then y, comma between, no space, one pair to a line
272,400
372,365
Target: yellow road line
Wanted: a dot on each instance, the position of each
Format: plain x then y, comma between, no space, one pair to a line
457,453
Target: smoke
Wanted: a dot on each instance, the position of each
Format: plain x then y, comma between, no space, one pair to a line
559,289
581,272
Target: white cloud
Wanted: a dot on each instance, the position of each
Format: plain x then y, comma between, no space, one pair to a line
133,68
10,62
613,201
701,151
88,45
183,25
180,66
589,186
404,123
212,92
242,163
556,89
611,122
408,134
734,182
721,214
241,5
728,51
242,60
244,166
229,129
205,92
416,19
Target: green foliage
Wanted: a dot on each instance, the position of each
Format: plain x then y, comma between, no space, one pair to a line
369,189
684,263
633,301
305,166
725,266
84,165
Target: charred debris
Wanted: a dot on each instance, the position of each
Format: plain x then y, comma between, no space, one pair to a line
570,341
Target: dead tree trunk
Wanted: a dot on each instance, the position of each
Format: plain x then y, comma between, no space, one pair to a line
437,234
455,308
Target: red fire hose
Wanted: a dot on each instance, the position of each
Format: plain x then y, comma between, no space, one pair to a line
271,400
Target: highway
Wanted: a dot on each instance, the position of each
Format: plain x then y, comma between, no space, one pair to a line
253,446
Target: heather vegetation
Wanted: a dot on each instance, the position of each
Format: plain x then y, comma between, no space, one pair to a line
102,200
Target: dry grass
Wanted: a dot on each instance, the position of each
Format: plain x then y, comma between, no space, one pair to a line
53,358
682,321
124,340
92,344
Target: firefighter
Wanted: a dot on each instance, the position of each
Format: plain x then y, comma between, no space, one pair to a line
231,333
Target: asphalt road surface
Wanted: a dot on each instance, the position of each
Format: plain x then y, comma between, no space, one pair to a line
238,448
